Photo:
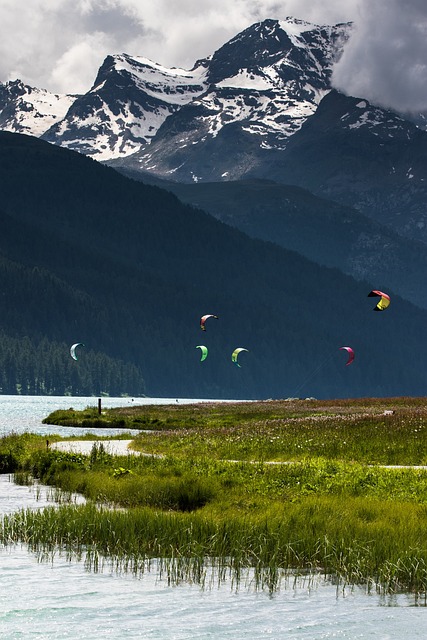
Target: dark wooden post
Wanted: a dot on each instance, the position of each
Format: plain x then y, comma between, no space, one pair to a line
99,406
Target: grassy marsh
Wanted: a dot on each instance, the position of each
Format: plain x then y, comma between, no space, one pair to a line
358,430
214,498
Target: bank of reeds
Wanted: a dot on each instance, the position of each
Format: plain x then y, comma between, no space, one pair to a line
359,542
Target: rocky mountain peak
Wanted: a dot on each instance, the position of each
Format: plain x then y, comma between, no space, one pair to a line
288,44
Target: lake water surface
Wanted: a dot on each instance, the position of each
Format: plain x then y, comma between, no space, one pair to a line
59,599
25,413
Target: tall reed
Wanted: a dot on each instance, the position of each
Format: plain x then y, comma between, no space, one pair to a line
381,546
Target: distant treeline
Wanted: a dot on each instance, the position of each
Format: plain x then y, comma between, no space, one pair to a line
46,368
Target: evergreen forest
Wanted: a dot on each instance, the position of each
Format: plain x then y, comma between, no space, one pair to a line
89,255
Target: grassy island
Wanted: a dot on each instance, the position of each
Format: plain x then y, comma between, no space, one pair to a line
276,487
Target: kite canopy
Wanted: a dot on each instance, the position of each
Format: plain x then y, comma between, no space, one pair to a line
235,354
73,349
203,320
383,302
350,355
204,351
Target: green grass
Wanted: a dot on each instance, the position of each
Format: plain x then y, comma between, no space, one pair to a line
213,498
274,430
294,431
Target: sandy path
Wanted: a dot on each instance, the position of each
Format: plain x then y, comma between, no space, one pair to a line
114,447
120,448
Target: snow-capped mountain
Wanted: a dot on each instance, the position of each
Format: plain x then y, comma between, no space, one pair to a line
269,78
24,109
261,87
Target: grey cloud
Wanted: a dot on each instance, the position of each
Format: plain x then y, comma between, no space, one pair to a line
385,60
112,21
50,36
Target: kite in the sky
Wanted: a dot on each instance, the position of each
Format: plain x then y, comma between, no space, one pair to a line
236,353
73,349
350,354
204,351
383,302
203,320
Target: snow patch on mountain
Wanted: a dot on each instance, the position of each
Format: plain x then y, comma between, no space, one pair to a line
370,117
24,109
104,134
171,85
245,79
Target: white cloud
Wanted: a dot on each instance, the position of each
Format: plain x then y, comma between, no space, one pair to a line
44,37
79,62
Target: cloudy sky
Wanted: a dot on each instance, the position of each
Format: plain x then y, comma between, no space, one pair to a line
60,44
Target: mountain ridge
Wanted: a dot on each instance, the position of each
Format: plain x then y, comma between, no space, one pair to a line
322,230
286,61
25,109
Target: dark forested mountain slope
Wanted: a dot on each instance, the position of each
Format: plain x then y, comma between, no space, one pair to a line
357,154
322,230
131,269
